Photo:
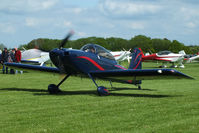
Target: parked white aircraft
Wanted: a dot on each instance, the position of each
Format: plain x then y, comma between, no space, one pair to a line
167,56
121,55
35,56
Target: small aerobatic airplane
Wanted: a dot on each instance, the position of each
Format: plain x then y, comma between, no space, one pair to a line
35,56
166,56
93,61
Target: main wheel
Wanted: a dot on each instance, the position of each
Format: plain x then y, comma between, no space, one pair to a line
53,89
102,91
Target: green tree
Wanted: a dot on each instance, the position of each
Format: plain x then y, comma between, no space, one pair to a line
176,46
142,42
2,46
160,44
115,44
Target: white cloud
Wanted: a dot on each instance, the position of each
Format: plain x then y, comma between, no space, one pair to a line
7,28
191,25
47,4
78,10
67,23
26,5
136,25
81,34
189,12
188,17
120,18
128,8
31,22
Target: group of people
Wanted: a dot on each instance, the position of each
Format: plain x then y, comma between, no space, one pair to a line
13,56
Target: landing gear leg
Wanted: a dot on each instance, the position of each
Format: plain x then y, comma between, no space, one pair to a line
111,84
102,91
138,84
54,89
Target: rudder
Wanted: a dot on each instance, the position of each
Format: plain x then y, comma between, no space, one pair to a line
136,61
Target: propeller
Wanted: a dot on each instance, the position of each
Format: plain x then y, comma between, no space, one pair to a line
65,40
126,50
128,55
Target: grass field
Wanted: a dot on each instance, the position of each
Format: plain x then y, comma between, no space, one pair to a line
162,106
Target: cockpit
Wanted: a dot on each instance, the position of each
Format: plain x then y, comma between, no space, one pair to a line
98,50
164,52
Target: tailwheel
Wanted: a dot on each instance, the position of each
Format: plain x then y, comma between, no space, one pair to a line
53,89
102,91
139,87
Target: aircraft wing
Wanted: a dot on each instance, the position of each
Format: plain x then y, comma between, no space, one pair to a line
193,58
28,67
139,74
114,75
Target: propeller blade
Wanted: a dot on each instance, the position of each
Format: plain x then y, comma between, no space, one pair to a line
65,40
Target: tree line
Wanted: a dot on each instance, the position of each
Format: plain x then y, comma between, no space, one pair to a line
147,44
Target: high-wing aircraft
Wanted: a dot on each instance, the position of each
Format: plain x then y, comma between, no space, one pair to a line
35,56
166,56
95,62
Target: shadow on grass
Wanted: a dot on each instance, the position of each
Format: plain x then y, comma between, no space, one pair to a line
40,92
23,89
142,95
118,89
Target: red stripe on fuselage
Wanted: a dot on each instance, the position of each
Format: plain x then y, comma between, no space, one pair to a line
117,55
92,61
121,67
137,56
137,64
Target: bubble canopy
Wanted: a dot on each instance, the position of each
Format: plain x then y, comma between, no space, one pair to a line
164,52
99,50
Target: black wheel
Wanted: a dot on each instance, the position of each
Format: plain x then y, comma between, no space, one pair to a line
139,87
102,91
53,89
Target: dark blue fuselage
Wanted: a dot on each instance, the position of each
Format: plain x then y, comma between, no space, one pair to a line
78,61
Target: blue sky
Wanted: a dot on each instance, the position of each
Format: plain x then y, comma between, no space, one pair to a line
24,20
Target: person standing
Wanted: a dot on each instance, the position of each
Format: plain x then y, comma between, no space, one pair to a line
0,55
11,58
18,57
4,59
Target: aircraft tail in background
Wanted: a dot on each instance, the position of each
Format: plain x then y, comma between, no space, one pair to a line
182,52
136,61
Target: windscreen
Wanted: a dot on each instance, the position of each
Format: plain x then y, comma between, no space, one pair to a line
99,50
164,52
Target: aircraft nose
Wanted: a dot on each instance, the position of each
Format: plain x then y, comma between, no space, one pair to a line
61,58
66,53
55,56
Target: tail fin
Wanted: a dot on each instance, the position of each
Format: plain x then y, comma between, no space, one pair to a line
182,52
136,61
